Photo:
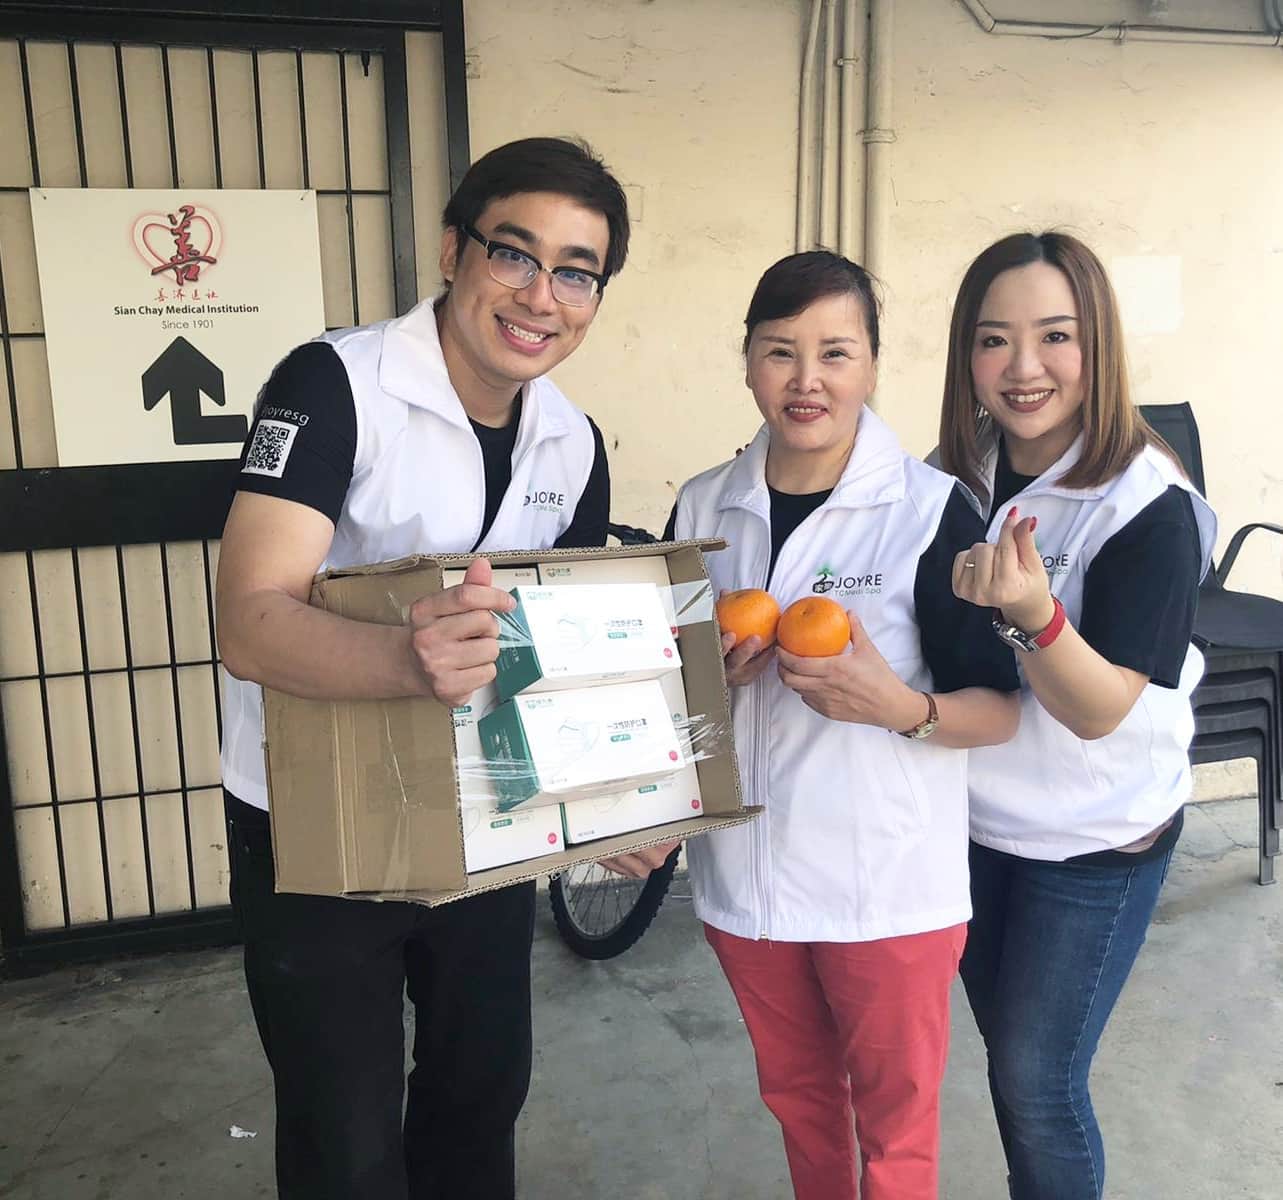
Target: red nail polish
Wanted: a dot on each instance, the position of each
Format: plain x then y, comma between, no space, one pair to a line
1011,512
1033,524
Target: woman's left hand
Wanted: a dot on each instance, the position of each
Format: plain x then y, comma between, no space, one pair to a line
857,686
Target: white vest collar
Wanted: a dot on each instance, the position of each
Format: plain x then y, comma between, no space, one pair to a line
412,368
874,474
1047,484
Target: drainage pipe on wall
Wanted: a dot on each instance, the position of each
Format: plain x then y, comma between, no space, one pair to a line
852,68
878,137
830,147
804,237
1118,31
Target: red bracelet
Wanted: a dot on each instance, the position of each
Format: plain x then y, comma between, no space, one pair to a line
1054,626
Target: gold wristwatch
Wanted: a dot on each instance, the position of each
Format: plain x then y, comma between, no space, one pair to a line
927,726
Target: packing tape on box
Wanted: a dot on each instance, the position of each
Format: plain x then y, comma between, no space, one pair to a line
488,781
414,784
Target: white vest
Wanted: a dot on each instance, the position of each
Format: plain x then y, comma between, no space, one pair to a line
864,833
418,485
1048,794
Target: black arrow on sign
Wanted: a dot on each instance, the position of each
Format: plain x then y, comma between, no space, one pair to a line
182,372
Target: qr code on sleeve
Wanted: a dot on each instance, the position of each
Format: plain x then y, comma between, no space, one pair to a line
269,450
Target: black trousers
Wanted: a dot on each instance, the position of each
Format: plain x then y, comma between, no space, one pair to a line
327,979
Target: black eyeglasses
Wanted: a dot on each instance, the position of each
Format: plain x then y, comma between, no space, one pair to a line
516,269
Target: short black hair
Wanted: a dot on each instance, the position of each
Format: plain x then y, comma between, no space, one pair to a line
798,281
565,166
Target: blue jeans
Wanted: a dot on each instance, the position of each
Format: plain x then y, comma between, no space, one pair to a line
1048,951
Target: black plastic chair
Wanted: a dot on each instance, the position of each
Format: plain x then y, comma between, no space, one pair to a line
1241,620
1245,729
1241,636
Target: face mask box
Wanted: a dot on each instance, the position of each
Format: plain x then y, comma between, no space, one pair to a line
611,571
554,746
673,799
474,781
642,570
581,635
495,839
491,838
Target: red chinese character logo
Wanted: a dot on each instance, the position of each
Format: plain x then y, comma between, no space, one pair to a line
182,242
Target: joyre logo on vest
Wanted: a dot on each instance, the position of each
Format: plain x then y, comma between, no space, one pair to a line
545,501
1056,564
862,583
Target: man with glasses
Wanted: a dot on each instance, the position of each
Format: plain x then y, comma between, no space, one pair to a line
433,432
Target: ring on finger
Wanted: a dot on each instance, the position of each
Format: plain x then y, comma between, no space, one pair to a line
968,564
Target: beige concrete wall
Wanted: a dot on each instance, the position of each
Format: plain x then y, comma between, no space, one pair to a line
695,108
1163,157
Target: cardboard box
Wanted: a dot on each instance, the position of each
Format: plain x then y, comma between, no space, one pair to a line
580,635
671,799
364,794
546,747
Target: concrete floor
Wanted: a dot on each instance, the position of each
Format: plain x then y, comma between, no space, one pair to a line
124,1080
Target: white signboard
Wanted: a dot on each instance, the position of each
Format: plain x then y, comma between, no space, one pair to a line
165,312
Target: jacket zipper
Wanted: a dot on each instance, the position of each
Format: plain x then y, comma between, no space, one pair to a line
481,517
761,845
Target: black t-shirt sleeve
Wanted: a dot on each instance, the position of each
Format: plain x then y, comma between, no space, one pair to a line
958,642
592,514
1141,590
302,443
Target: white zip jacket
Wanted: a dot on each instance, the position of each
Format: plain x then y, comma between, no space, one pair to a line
418,485
864,832
1047,794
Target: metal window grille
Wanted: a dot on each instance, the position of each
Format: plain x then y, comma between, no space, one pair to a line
111,831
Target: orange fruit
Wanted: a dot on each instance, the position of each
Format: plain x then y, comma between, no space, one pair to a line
814,627
749,612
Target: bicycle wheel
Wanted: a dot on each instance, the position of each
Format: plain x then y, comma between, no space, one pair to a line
600,914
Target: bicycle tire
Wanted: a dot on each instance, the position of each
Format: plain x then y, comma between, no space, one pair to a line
572,906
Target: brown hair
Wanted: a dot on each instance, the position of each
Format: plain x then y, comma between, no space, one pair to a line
563,166
1114,430
799,280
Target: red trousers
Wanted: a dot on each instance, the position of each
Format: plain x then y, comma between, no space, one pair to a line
843,1026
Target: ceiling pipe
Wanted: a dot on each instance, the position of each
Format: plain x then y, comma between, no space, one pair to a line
1118,31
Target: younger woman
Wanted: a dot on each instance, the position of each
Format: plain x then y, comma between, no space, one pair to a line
839,914
1073,821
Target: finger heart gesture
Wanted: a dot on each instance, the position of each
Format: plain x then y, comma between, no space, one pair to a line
1007,574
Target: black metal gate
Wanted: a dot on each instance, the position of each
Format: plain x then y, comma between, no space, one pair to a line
110,809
